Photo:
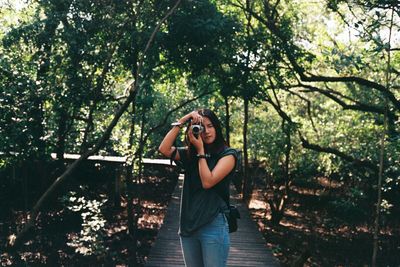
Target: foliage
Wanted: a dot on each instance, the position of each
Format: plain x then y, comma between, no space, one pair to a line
90,240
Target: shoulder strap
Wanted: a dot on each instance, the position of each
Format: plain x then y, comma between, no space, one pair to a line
173,154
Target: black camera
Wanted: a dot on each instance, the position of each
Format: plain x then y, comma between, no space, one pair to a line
197,129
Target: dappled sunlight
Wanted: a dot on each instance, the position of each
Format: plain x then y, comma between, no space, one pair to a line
307,191
36,256
115,228
257,204
151,179
5,259
260,213
11,239
295,226
150,221
292,213
20,217
261,224
90,239
257,200
329,183
152,205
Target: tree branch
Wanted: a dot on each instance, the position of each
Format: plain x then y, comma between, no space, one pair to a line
308,108
307,145
289,49
358,106
364,163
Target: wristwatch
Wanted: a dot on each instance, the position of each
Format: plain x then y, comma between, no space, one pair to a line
199,156
177,123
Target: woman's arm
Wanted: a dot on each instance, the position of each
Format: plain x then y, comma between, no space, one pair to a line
224,165
210,178
166,147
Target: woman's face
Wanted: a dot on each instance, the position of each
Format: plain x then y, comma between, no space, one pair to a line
209,134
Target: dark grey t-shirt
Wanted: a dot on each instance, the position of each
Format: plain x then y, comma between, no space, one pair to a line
199,206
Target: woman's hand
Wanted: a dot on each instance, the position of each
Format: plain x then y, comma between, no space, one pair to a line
194,116
197,142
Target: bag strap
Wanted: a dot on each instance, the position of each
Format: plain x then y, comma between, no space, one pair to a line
173,154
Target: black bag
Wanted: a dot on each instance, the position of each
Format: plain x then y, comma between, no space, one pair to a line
232,217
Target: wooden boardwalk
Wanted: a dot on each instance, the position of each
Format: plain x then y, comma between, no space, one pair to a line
247,244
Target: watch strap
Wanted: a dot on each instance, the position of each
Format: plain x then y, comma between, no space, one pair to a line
205,156
177,123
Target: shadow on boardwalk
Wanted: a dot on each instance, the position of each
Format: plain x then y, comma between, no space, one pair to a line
247,244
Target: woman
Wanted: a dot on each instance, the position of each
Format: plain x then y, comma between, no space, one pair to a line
208,165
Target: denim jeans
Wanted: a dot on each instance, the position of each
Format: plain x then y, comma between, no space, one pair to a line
208,246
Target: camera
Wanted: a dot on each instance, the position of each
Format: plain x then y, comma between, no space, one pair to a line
197,129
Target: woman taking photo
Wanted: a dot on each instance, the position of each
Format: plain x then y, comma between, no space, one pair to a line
209,164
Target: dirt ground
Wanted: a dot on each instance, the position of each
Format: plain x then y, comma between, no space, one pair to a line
309,230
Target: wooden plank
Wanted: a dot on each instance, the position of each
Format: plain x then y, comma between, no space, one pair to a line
158,161
167,249
95,158
114,159
248,247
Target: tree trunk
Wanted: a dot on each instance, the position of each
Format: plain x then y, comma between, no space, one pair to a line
141,142
37,128
61,133
88,128
276,213
286,130
131,185
382,154
97,96
132,229
280,199
227,119
44,44
246,190
379,197
136,208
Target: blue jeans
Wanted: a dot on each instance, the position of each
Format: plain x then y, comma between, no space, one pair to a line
208,246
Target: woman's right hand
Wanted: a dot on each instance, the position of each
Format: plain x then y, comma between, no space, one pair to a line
194,116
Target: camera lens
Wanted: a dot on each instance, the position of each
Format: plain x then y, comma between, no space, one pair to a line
196,129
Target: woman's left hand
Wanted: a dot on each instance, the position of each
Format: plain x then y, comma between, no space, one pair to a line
197,142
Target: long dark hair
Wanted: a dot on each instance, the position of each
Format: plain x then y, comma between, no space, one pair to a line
219,143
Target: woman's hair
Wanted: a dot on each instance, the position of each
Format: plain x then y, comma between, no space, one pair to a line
219,142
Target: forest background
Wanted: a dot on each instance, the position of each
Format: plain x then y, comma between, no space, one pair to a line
308,90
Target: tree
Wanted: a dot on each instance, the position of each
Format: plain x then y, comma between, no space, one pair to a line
132,93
